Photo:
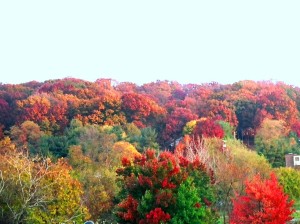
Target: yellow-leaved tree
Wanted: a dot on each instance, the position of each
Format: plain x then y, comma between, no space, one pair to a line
36,190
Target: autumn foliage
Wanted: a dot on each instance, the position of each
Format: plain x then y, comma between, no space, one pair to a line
264,202
54,103
92,125
155,189
208,128
37,190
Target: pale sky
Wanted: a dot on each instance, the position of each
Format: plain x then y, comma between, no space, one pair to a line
143,41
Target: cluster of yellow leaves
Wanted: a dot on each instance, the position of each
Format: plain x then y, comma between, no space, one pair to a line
38,190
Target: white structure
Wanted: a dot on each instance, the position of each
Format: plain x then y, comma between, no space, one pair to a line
296,160
292,160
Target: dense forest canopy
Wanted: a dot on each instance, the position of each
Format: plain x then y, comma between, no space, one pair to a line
76,134
162,105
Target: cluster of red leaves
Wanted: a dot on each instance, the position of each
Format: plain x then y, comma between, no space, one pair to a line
140,108
145,181
264,202
126,161
164,198
156,216
198,205
4,111
275,103
161,175
129,206
208,128
166,184
296,128
175,123
219,107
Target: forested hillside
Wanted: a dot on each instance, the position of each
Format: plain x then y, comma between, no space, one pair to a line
163,152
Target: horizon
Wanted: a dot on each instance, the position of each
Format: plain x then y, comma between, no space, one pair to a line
140,84
141,42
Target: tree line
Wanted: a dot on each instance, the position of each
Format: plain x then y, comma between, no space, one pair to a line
161,152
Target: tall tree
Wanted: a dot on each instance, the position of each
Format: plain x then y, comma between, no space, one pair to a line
208,128
35,190
264,202
163,189
174,124
223,109
289,178
274,103
27,135
141,109
271,140
231,164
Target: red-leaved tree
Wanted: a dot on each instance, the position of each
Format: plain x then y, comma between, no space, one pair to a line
296,128
264,202
208,128
165,189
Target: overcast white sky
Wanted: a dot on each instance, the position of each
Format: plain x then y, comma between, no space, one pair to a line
142,41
